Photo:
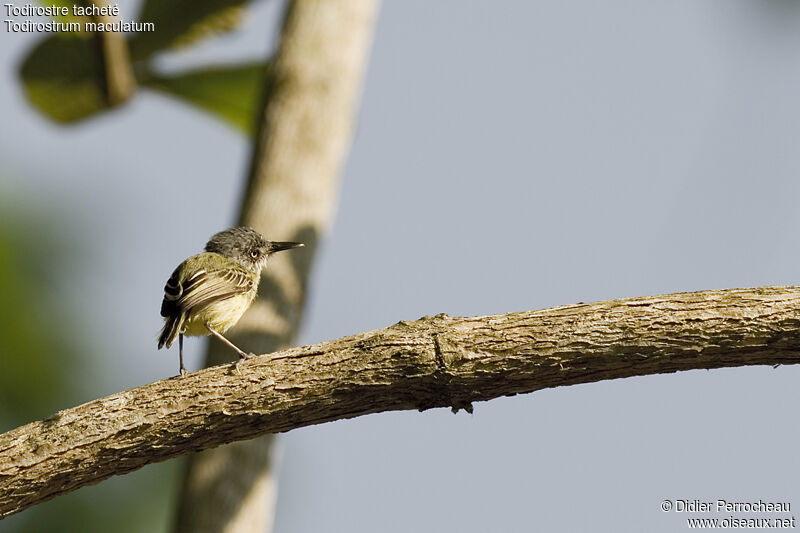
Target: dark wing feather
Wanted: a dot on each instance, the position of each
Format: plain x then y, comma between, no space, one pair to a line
172,291
170,331
204,287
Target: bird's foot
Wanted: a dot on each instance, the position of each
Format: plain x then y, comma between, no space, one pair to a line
242,357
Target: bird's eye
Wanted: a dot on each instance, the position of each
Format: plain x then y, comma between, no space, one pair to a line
254,254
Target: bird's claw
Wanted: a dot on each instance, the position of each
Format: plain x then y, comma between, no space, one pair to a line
242,357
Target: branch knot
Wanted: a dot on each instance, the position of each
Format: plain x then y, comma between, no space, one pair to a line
443,377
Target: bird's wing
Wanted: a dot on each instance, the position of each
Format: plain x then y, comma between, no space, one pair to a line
203,287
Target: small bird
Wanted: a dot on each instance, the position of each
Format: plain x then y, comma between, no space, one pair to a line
209,292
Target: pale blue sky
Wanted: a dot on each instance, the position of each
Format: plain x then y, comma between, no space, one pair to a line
509,156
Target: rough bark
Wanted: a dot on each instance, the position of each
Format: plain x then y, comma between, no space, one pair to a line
432,362
303,135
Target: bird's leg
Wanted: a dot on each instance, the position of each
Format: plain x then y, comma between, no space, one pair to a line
242,355
180,352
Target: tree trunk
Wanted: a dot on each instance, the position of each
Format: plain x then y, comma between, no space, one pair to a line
303,135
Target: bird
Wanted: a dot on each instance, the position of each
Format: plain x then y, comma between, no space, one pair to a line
209,292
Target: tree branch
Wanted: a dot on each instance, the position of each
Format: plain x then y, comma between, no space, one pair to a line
431,362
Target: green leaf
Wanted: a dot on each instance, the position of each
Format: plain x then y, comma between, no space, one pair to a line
63,77
182,22
69,5
231,92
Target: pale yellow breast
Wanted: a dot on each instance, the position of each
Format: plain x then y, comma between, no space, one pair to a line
220,315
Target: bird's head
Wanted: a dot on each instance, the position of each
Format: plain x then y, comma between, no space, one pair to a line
247,246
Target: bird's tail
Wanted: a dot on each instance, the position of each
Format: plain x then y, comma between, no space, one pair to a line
170,331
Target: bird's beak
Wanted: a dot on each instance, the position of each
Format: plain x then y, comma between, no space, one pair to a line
280,246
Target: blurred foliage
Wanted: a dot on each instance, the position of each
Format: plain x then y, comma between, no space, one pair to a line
230,91
64,78
64,74
184,22
68,4
36,346
44,352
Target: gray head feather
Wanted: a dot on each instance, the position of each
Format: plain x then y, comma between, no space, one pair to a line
246,246
242,244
